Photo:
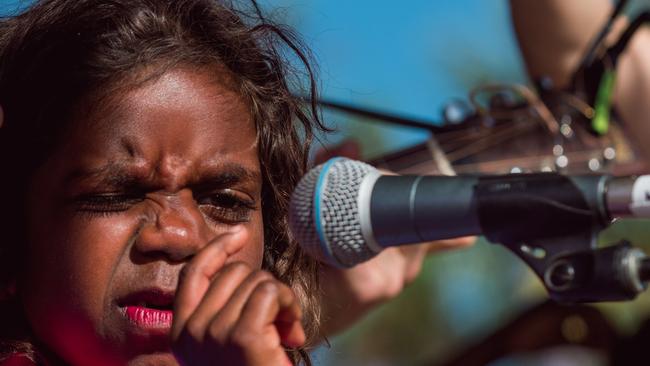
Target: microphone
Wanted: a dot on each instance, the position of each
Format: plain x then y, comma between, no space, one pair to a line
344,212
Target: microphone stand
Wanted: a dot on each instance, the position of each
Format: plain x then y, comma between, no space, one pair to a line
566,258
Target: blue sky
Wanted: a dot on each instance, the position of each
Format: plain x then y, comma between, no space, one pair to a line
8,6
410,57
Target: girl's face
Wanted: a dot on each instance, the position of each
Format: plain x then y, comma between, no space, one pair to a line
142,182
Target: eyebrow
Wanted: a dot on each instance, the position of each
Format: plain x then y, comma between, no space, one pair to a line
109,174
121,175
225,175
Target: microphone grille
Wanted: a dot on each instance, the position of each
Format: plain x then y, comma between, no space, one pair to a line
324,214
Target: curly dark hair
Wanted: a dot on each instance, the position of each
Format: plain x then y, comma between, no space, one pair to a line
57,51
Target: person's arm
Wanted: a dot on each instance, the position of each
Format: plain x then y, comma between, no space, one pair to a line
555,34
350,294
632,90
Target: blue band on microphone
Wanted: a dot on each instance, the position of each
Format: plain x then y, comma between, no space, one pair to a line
320,185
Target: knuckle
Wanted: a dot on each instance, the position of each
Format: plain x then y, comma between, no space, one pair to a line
286,291
262,276
392,289
243,337
240,268
217,331
268,288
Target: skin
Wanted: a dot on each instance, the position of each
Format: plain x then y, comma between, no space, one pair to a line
377,281
153,181
555,34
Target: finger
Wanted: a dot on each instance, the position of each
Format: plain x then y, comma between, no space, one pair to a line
289,327
196,277
225,283
412,261
456,243
273,311
224,320
288,322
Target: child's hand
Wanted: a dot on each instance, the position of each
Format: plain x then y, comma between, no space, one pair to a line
232,314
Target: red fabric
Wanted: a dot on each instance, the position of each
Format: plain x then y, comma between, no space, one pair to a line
18,359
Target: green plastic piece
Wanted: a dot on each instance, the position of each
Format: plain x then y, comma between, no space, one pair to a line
603,107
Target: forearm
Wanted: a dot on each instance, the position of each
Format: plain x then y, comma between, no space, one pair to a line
554,34
632,90
349,294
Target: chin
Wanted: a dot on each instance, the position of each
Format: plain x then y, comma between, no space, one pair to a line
163,359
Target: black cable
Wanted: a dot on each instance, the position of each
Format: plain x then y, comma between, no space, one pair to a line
384,116
617,49
588,79
597,42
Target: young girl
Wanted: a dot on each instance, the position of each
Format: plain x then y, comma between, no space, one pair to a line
149,148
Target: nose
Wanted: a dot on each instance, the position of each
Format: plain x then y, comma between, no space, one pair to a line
177,230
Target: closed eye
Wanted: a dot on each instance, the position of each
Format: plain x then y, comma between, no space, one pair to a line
227,207
106,204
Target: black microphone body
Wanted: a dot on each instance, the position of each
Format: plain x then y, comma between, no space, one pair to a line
505,209
344,212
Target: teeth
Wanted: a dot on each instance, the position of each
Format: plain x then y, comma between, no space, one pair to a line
142,304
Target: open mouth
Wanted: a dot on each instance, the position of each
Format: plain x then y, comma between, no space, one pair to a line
150,309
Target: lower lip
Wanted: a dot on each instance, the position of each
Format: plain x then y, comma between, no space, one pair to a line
149,318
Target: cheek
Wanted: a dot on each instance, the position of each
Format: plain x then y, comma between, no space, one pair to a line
71,265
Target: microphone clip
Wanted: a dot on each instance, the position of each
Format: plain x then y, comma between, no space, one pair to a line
552,223
574,272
